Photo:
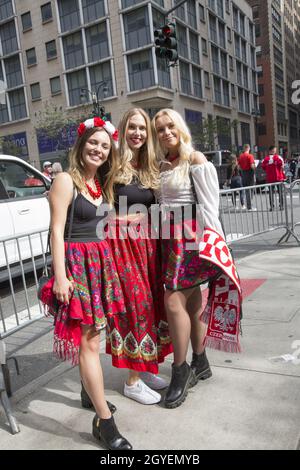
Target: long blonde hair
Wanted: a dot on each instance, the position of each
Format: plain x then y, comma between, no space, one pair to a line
76,165
148,171
186,146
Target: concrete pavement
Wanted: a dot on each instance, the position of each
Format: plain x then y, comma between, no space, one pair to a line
251,402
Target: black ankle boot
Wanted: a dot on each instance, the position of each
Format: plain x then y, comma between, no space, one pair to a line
86,402
177,391
200,367
105,430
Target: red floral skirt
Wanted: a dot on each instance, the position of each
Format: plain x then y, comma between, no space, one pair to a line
139,339
96,299
182,266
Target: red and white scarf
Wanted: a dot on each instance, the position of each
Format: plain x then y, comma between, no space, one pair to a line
222,312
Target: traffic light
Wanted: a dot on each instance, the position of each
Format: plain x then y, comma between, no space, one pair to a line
166,43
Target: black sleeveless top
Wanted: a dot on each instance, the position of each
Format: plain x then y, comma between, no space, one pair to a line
135,195
85,220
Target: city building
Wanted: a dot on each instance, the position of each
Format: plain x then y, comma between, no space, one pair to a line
277,37
60,54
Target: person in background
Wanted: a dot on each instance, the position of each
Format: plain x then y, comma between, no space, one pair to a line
47,169
247,166
234,180
56,168
273,166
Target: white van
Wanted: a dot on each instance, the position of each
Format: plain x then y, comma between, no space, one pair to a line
24,208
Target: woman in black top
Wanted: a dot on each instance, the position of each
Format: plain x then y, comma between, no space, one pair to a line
234,180
85,281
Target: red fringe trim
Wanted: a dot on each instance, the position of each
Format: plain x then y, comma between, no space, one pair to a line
222,345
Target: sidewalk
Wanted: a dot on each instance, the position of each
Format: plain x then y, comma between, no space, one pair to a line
249,403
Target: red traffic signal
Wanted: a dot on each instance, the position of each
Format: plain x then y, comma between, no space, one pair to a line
166,42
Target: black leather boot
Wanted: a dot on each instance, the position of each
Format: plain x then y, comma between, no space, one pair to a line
86,402
177,391
106,431
200,367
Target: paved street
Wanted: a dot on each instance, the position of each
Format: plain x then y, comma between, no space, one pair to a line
251,402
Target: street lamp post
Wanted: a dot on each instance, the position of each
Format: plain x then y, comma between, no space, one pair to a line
98,108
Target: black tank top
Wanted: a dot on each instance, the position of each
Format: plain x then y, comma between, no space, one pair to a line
85,220
135,194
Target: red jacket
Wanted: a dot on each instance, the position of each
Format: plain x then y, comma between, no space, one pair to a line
273,166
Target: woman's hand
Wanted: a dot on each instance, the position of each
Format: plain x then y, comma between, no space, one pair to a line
63,289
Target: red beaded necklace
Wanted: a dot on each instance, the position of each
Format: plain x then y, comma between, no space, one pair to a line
171,158
94,194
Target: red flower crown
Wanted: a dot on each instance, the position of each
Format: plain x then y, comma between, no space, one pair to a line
98,122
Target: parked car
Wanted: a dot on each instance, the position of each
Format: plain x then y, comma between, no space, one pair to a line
24,208
220,158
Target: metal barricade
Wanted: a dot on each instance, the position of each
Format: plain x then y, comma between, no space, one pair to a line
293,191
18,256
270,210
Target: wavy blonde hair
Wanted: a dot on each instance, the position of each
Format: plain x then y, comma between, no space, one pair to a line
186,146
76,165
148,171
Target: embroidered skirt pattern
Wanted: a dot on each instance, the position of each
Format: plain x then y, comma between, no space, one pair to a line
139,338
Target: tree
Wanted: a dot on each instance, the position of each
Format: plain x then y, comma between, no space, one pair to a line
206,133
10,148
55,125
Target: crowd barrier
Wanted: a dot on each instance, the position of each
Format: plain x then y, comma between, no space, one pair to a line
19,309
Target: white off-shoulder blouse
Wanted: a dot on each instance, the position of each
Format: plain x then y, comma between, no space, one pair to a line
176,190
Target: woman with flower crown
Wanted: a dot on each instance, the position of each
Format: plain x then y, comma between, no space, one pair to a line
85,282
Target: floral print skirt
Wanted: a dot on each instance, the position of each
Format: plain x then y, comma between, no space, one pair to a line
96,299
182,266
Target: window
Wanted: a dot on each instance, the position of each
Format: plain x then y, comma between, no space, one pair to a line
231,64
226,96
76,81
191,11
229,37
6,9
101,73
3,113
13,71
233,95
17,104
24,181
46,12
227,6
97,42
8,37
224,71
262,109
73,50
140,70
136,27
215,59
182,41
197,82
31,56
185,78
35,90
204,46
180,11
51,51
202,13
55,86
206,80
222,37
92,9
164,78
68,14
261,90
26,21
220,8
213,29
194,46
217,90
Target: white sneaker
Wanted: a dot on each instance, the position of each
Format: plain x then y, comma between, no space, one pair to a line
243,207
153,381
142,393
253,209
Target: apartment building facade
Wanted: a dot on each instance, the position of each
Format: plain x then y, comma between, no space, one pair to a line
277,38
56,53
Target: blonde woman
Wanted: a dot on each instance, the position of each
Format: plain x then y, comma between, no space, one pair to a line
85,281
186,179
141,337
